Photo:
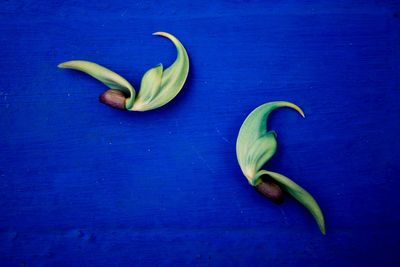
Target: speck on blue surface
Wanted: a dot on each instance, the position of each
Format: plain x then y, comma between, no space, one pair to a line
85,185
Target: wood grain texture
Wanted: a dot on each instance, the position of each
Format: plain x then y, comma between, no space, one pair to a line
85,185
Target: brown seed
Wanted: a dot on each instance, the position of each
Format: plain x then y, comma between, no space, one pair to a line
271,190
113,98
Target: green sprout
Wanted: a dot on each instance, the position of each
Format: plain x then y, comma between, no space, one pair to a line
158,87
255,146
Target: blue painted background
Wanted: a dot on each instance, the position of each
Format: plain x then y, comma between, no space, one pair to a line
82,184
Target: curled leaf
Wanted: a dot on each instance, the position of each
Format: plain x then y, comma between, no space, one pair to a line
300,194
256,145
149,87
158,86
104,75
155,93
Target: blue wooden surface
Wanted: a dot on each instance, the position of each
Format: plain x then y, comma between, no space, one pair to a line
85,185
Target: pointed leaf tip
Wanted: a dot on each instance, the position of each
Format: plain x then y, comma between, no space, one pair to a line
323,230
300,111
106,76
158,89
162,85
161,33
301,195
255,145
252,154
295,107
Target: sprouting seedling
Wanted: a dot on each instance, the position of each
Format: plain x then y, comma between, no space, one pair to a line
255,146
158,87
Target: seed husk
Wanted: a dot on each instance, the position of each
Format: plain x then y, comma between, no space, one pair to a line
113,98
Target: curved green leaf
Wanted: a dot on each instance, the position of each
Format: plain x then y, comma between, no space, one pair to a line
259,152
255,145
106,76
149,87
298,193
172,80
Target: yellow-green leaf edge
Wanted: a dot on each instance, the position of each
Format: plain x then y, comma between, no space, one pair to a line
104,75
256,145
158,86
164,84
